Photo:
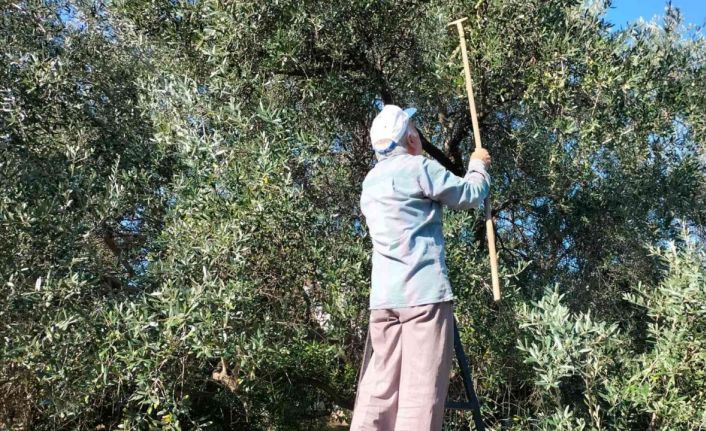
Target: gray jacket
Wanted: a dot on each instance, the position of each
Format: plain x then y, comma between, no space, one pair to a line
402,202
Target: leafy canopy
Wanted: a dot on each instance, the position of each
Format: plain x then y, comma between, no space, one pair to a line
182,245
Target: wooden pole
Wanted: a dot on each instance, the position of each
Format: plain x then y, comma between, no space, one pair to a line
489,228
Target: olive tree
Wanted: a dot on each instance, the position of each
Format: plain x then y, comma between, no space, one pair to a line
182,243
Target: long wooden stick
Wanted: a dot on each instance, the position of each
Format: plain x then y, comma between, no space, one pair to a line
489,228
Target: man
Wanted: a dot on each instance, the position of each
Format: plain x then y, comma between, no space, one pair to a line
411,313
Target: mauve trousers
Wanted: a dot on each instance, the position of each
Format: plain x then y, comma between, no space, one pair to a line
404,387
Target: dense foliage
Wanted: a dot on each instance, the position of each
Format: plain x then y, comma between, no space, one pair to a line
181,244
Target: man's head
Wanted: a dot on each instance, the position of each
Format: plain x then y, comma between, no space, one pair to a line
394,128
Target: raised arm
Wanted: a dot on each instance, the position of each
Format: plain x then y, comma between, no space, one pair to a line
441,185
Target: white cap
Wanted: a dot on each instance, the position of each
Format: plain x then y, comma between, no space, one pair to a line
389,127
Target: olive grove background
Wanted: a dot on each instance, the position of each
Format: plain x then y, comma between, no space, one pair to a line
181,244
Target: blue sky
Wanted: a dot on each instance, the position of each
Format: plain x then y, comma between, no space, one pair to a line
625,11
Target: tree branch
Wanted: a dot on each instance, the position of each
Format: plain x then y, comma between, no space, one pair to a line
439,156
461,130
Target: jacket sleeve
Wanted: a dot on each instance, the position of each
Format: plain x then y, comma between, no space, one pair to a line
440,185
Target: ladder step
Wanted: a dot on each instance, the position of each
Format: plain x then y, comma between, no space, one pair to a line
459,405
